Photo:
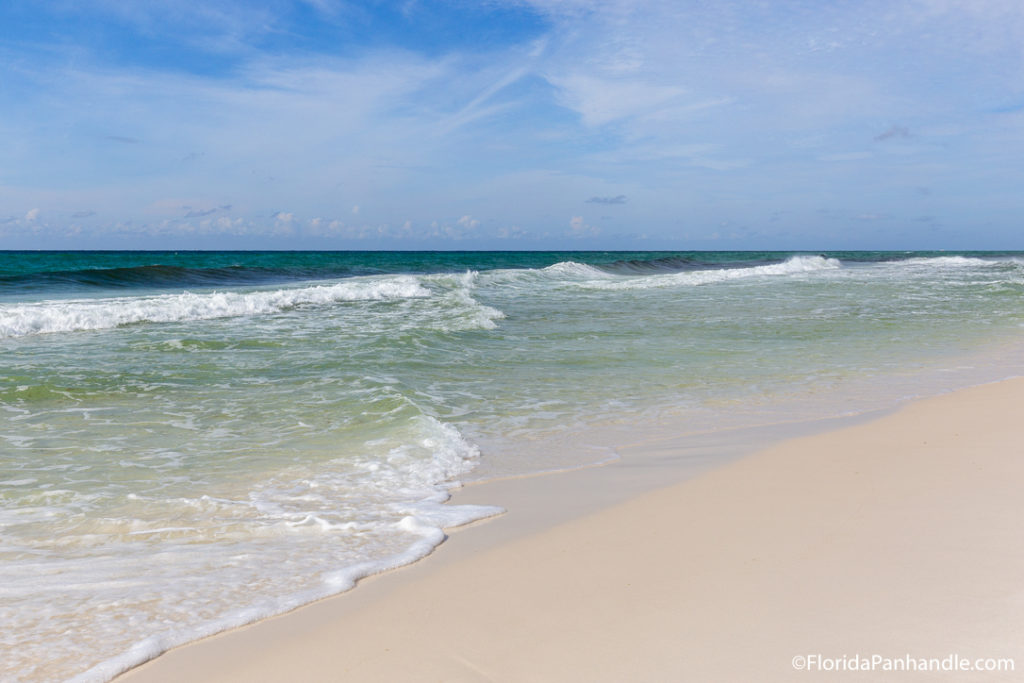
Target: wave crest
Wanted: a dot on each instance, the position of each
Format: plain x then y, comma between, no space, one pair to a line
19,320
949,261
795,265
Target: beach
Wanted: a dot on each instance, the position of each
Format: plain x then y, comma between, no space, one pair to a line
192,443
894,539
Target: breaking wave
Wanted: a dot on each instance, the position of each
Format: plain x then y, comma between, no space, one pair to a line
18,320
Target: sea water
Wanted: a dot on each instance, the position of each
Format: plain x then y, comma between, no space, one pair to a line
192,441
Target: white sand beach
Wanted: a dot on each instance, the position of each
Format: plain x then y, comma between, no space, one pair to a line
900,536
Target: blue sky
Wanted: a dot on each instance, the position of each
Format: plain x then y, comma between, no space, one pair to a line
512,124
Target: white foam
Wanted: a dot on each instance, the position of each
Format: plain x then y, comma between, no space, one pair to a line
948,261
572,269
795,265
590,277
18,320
463,311
18,482
564,271
400,497
339,581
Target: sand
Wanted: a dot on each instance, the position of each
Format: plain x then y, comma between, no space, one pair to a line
894,537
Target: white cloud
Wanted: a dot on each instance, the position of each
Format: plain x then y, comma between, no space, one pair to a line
510,232
600,100
32,215
579,228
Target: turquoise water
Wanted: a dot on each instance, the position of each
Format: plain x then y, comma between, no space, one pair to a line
189,441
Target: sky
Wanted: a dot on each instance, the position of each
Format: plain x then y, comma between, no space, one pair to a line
511,124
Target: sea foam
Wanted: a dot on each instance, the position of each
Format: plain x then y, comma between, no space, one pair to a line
796,265
394,504
949,262
68,315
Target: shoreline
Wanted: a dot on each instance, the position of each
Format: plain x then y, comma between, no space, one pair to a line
893,534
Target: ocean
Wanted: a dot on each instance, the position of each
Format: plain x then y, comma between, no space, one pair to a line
190,441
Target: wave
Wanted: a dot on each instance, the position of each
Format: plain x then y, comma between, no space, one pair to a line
795,265
154,276
68,272
574,270
577,274
72,271
468,313
656,265
951,261
563,271
17,320
697,261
